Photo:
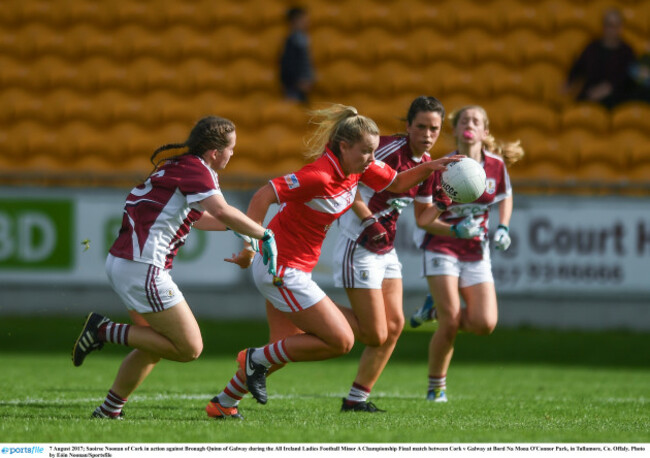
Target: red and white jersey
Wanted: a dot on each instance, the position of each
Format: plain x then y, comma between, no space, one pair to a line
159,213
395,152
311,200
498,188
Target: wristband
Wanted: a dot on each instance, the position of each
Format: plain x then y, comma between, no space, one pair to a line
504,227
367,221
268,233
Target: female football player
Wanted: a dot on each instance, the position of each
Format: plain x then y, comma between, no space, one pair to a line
365,260
182,192
305,324
455,248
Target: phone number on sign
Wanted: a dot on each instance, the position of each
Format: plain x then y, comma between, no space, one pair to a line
515,274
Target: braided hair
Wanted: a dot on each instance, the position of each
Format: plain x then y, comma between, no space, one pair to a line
207,134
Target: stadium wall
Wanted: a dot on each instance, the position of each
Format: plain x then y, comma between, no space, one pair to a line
575,262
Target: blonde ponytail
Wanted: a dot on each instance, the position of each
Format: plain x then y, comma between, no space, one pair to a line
334,124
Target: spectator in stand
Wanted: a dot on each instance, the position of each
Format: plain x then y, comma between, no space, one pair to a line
641,75
296,68
602,71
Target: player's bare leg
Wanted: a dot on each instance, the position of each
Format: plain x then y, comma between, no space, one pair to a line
185,340
381,320
444,289
481,314
173,334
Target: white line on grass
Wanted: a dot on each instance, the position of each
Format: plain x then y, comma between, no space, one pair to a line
170,396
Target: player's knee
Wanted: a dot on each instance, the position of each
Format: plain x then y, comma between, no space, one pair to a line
343,344
395,328
486,328
374,337
191,352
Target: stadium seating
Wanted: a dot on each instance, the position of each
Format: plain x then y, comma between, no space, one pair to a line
589,116
97,86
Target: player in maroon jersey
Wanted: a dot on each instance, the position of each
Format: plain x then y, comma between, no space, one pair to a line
305,324
182,192
365,261
455,249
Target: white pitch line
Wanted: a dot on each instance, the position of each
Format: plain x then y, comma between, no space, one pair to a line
206,396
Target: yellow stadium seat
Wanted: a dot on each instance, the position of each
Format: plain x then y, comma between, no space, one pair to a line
51,72
600,149
395,77
330,43
133,41
377,45
21,105
500,48
548,81
526,112
32,41
278,111
466,53
637,17
439,15
639,154
630,145
343,15
339,78
67,104
568,15
541,174
585,115
531,16
631,115
559,49
85,41
482,15
248,75
542,147
102,73
601,175
500,80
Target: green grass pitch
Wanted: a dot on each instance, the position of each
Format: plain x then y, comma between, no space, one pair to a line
513,386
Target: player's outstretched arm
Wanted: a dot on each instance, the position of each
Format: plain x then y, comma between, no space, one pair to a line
407,179
231,217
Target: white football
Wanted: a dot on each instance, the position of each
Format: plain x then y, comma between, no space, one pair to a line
464,181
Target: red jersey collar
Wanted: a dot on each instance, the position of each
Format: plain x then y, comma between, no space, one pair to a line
334,160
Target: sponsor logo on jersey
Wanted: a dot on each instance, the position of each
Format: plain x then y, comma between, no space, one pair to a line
292,181
381,164
491,185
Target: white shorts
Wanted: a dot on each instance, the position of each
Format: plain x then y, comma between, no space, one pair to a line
356,267
298,292
142,287
468,273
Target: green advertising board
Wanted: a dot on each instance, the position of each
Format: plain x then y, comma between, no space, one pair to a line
36,234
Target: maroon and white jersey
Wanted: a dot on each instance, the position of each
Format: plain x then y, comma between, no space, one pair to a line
311,200
395,152
498,188
159,213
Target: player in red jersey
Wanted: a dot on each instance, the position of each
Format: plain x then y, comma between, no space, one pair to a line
365,261
305,324
456,252
180,194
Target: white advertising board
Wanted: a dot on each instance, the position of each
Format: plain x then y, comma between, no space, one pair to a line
560,244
